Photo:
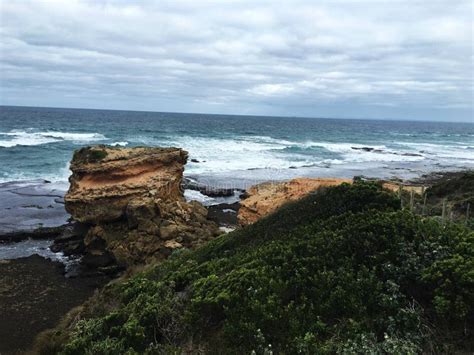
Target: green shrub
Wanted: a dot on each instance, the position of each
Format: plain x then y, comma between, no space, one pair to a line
341,271
90,154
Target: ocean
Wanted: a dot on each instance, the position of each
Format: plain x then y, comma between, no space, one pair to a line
37,143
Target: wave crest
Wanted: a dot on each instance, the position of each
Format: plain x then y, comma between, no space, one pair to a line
28,138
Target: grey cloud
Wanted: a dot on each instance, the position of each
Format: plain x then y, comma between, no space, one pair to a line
338,58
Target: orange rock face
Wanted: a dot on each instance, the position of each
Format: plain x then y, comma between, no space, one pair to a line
395,187
104,179
265,198
132,202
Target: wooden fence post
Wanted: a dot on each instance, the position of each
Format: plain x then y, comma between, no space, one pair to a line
443,213
423,210
467,212
400,195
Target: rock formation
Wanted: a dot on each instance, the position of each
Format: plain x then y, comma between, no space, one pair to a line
395,187
262,199
132,201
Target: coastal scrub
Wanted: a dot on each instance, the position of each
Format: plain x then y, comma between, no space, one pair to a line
344,270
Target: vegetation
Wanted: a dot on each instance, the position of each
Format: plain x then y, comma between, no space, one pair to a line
90,154
450,197
457,189
340,271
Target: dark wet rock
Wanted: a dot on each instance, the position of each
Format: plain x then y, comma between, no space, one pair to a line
59,200
76,247
34,296
373,150
101,259
72,232
244,195
111,270
217,192
365,149
40,233
411,155
195,161
224,214
29,206
207,190
71,239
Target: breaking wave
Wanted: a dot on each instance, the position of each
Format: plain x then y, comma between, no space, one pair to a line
27,138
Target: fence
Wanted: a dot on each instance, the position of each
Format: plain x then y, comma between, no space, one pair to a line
421,206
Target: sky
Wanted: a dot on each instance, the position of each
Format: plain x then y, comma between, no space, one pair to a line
343,59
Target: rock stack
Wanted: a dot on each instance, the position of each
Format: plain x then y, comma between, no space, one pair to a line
131,201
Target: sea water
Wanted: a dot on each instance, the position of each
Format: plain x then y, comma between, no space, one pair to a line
37,143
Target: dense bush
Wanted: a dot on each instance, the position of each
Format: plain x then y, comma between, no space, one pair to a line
457,189
341,271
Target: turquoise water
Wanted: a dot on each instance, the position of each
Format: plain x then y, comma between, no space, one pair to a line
37,143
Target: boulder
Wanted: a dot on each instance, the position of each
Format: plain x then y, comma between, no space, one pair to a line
105,179
210,191
262,199
133,202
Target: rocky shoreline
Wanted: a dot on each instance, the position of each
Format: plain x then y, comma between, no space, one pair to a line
118,220
125,207
34,296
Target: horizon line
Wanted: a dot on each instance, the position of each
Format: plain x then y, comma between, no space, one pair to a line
245,115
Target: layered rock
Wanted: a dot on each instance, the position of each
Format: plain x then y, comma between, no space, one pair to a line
132,200
104,179
264,198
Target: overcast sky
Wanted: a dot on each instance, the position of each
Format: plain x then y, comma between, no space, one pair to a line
362,59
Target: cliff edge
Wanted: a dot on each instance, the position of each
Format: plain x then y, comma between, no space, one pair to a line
132,203
264,198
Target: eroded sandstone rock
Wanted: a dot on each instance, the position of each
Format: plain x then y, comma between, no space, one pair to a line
262,199
132,199
105,179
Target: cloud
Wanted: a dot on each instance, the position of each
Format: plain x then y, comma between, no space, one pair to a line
349,58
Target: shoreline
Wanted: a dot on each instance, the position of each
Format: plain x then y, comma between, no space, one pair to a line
53,270
34,296
215,194
35,208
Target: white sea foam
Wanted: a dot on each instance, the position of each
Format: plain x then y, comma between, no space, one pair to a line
262,152
76,137
29,137
29,247
347,152
379,153
452,152
228,154
356,153
192,195
25,139
119,144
